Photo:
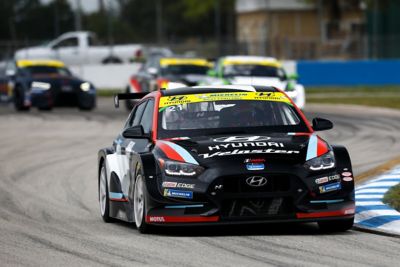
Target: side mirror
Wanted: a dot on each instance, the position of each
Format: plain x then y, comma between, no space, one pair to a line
319,124
152,71
212,73
10,73
293,76
134,132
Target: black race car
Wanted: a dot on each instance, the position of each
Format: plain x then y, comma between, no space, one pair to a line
223,155
167,72
48,83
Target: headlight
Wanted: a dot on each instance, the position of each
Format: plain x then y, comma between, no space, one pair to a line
326,161
176,168
41,85
85,86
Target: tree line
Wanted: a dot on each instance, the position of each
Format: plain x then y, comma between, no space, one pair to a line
125,21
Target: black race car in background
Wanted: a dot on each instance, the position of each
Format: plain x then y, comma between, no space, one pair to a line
48,83
223,155
167,72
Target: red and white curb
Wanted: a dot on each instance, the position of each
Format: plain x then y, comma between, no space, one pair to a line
371,212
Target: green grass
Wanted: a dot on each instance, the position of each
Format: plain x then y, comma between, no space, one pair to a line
387,96
353,89
392,197
107,92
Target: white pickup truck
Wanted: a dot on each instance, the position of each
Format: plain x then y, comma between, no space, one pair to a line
75,48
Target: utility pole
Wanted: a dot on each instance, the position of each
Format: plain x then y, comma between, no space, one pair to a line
159,25
217,9
78,16
375,37
56,20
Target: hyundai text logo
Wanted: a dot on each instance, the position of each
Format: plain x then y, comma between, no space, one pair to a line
256,181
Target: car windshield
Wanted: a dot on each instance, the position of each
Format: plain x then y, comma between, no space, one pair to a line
254,70
39,70
215,113
184,69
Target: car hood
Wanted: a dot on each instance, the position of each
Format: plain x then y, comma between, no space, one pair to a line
56,79
188,79
236,149
258,81
31,51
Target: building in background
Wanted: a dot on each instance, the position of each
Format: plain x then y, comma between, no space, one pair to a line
302,29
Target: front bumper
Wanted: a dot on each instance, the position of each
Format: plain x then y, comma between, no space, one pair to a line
227,200
58,97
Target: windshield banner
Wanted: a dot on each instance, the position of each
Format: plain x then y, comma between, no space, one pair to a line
167,101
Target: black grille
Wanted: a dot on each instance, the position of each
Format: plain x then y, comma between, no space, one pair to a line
275,199
275,183
257,207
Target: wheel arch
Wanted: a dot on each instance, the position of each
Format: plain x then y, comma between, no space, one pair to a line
342,157
102,154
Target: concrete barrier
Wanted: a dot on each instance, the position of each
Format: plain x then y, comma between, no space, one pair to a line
110,76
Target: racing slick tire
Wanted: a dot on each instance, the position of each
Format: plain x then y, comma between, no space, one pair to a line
139,204
104,200
336,225
86,108
45,108
19,101
112,60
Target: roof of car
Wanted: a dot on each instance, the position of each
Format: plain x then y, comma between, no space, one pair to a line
217,89
180,61
22,63
240,60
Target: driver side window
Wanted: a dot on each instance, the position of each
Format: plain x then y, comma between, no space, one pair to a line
135,118
147,118
69,42
282,74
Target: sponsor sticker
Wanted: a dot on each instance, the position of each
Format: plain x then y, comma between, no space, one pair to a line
184,185
260,160
255,166
247,152
347,174
327,179
347,179
167,101
322,180
349,211
179,185
178,193
240,139
330,187
156,219
169,184
334,177
183,61
243,143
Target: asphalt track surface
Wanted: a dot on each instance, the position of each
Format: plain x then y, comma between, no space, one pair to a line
49,213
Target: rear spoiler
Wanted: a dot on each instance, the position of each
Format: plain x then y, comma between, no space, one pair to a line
128,96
